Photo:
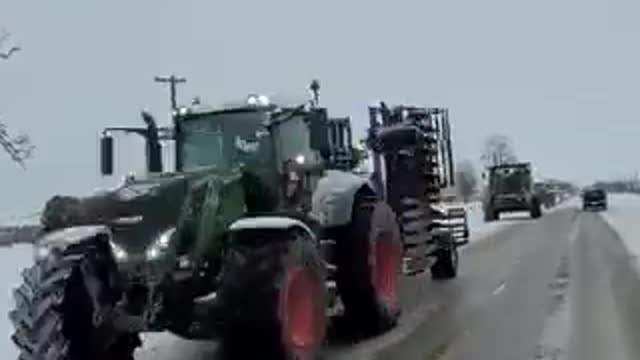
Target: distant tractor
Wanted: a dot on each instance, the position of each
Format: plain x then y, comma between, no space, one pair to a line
510,188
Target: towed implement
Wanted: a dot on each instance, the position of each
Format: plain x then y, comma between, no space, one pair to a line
259,237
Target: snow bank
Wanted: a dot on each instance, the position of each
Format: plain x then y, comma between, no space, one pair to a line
13,259
479,229
624,217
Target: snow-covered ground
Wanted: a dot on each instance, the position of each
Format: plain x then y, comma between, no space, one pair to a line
478,228
624,217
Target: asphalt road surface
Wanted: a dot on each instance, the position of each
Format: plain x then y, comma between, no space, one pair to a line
510,301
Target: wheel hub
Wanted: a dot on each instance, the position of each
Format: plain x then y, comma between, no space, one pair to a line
301,315
384,257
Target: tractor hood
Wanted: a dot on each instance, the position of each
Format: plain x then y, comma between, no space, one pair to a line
139,210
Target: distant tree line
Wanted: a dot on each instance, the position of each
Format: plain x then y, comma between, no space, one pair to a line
619,186
497,150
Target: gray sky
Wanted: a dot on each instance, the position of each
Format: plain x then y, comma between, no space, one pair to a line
559,77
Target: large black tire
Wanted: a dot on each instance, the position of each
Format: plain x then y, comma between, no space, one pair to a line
446,266
368,255
490,215
273,296
536,210
53,318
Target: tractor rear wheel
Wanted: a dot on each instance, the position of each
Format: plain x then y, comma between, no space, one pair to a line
491,215
446,266
536,210
55,317
368,256
273,296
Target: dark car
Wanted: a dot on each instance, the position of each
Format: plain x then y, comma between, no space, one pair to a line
594,199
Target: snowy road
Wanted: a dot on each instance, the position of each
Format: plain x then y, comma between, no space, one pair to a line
527,290
481,272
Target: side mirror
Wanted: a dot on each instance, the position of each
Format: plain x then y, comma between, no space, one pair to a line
106,155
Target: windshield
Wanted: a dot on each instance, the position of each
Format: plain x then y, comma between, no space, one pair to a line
222,139
202,144
594,194
506,180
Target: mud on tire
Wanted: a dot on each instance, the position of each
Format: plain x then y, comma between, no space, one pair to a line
273,296
368,254
53,317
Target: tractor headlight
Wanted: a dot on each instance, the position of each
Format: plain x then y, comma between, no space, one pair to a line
160,246
119,253
41,252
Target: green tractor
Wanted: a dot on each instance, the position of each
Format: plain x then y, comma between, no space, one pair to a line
258,237
510,188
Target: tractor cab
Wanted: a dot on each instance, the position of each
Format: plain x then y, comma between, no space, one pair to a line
274,146
511,178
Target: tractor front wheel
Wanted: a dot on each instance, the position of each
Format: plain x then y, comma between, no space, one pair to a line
273,296
56,316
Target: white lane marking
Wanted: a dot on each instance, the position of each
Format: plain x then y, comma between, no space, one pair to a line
500,288
573,235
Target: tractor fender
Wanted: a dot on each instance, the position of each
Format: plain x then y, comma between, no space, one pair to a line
269,222
333,198
63,238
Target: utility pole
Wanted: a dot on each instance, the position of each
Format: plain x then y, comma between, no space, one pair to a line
172,81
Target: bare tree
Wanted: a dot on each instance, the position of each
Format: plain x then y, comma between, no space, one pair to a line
466,179
18,147
5,55
498,149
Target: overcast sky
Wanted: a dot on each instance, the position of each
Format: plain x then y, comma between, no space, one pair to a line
559,77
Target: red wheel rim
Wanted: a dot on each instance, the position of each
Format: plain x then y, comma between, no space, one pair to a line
301,312
384,256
